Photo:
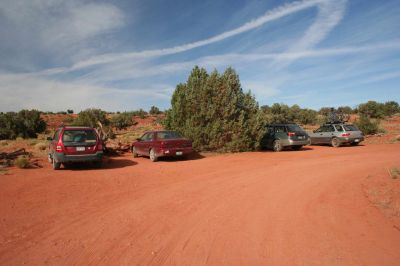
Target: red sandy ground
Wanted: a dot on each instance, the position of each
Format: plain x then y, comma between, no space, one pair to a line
311,207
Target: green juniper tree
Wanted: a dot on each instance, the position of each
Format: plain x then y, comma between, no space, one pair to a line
215,113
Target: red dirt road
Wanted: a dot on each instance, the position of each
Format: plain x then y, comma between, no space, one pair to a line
262,208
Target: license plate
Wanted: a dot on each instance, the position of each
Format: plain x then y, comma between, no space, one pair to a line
179,153
301,137
80,148
356,140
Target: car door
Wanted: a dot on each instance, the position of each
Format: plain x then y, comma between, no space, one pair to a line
147,143
329,133
280,133
269,137
317,137
140,144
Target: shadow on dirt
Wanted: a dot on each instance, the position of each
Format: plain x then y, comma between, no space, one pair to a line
191,157
107,164
341,146
308,148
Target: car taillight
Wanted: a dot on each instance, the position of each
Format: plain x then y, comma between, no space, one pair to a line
59,147
291,134
345,134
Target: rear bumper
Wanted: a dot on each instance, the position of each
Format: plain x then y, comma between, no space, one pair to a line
290,142
343,140
166,152
63,158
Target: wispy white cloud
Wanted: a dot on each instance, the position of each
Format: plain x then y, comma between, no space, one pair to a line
54,30
269,16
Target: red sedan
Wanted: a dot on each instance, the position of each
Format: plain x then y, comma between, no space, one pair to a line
156,144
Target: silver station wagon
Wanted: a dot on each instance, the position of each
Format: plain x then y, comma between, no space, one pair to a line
337,134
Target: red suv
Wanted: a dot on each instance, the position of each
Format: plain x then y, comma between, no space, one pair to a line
157,144
75,144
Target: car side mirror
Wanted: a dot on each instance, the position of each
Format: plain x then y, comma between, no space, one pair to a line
139,139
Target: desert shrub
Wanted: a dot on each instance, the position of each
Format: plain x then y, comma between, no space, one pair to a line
345,110
69,111
154,110
367,126
24,124
22,161
141,113
213,111
372,109
390,108
91,117
282,113
122,120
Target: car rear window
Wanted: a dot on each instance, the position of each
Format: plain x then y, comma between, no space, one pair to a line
294,128
350,128
168,135
81,136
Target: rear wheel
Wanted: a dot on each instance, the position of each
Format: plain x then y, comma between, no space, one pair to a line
153,156
56,165
134,153
297,147
277,146
335,142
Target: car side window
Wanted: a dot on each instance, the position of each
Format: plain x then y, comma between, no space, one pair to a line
330,129
319,130
339,128
279,129
144,137
270,130
147,137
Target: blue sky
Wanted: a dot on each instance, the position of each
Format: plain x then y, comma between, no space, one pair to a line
125,54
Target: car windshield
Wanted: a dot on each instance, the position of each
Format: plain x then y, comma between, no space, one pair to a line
168,135
350,128
82,136
294,128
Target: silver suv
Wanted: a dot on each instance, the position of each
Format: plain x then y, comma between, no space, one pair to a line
337,134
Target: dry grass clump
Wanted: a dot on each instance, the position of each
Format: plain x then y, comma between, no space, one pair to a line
3,171
394,172
22,162
41,146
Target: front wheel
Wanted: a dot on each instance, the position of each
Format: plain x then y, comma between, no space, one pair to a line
134,152
153,156
277,146
335,142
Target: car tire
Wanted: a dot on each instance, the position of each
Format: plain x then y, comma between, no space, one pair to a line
153,155
335,142
297,147
277,146
98,164
134,153
354,143
56,165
